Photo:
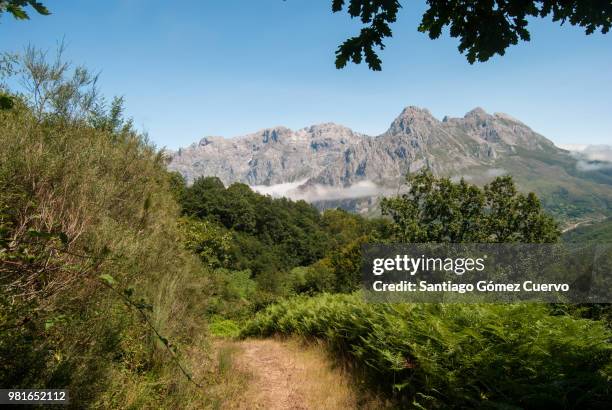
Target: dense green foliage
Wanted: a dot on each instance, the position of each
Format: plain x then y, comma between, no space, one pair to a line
466,356
286,233
283,248
484,28
17,8
438,210
288,247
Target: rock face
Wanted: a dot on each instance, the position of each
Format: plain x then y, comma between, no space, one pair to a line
334,155
325,161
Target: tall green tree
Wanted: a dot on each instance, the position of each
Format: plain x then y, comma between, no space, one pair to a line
484,27
439,210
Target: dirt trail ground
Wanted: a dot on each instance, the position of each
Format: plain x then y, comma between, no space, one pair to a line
285,375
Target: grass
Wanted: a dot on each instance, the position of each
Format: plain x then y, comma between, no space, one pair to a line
284,372
229,382
327,382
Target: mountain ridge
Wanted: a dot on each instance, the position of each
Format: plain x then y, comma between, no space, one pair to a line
326,158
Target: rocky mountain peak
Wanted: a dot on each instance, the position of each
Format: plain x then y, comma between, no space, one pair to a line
333,155
328,163
476,113
209,140
410,118
328,130
416,113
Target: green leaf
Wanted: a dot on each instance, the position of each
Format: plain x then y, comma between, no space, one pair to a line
147,203
39,234
63,237
6,102
108,279
39,7
49,323
17,12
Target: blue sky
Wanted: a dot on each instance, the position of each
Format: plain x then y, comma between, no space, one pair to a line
196,68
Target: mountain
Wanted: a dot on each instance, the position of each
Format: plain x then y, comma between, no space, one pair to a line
332,165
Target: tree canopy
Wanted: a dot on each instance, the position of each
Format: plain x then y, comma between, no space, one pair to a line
18,8
269,234
484,27
439,210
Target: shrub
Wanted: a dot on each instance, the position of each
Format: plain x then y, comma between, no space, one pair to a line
223,327
78,203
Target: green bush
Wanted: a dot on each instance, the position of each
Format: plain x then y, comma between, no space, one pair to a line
84,197
435,355
223,327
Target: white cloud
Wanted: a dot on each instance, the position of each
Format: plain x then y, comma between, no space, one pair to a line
278,190
317,192
598,153
591,157
592,166
573,147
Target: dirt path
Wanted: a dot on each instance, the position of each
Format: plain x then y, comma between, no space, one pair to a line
287,375
578,224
